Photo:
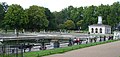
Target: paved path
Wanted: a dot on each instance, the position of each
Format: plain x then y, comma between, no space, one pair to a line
104,50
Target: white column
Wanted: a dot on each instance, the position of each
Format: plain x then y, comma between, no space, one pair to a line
15,31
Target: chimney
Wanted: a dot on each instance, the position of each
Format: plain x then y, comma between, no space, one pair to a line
99,19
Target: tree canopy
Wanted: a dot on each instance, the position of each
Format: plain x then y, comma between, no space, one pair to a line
15,17
37,17
69,24
2,12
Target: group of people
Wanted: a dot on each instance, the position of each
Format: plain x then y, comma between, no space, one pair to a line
73,41
94,39
105,38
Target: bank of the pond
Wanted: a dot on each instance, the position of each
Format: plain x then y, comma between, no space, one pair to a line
62,50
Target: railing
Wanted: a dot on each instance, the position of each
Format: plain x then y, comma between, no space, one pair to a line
10,50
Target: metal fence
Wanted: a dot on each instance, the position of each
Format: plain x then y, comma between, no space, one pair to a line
11,51
17,49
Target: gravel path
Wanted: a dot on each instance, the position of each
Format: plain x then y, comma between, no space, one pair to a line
104,50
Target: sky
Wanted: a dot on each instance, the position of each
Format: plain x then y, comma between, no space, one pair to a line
58,5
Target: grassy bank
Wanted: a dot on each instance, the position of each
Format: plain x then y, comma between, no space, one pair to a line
62,50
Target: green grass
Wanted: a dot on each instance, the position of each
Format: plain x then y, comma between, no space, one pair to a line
9,55
62,50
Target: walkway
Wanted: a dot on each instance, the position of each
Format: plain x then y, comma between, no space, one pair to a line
104,50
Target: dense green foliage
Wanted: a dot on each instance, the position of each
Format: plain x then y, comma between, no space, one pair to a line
37,17
3,9
15,18
84,16
52,22
2,12
69,24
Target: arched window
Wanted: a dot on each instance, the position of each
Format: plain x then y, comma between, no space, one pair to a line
100,30
96,30
92,30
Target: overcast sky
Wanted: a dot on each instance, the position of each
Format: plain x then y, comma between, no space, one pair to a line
57,5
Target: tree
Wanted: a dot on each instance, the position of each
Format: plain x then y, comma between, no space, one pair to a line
61,26
5,6
15,17
37,18
59,17
114,14
79,23
69,24
50,17
89,15
2,12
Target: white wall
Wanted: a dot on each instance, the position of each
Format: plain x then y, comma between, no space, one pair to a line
108,30
116,35
98,27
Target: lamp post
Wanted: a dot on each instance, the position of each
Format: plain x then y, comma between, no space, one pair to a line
88,39
79,29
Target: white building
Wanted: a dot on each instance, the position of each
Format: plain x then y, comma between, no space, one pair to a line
99,28
116,35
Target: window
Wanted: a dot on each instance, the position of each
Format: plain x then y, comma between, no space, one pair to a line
92,30
108,30
100,30
96,30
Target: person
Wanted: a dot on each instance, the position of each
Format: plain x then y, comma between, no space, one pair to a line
13,50
78,41
104,38
100,38
86,40
70,42
95,38
111,37
74,40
